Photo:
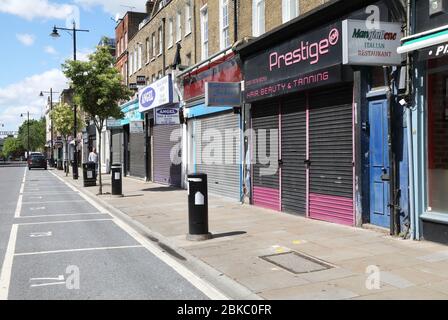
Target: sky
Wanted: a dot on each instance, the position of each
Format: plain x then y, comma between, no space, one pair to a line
30,60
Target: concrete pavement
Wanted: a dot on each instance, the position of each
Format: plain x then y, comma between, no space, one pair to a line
365,264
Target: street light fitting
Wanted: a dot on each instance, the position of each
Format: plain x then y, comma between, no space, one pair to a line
55,33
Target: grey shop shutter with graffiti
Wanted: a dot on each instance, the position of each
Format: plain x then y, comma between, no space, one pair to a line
223,165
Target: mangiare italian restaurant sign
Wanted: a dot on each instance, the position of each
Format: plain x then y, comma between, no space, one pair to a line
304,62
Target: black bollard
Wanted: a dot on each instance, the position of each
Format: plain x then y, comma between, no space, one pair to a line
117,181
198,208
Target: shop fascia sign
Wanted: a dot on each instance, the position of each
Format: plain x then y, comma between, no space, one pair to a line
136,127
223,94
303,62
371,46
158,94
167,116
113,123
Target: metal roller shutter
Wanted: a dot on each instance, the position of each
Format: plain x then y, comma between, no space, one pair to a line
117,147
293,138
137,155
266,186
331,155
224,177
165,171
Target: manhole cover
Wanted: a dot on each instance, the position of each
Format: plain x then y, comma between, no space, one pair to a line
297,263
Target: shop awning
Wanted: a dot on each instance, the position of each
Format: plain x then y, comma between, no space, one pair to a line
424,40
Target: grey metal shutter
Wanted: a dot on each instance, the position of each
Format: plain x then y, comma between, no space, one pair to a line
331,155
117,147
165,171
224,178
293,139
137,155
266,187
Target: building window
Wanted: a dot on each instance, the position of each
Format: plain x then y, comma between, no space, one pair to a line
258,17
131,56
139,54
159,75
204,32
188,18
178,26
188,60
160,41
224,23
170,32
135,60
290,10
437,137
153,43
125,41
148,50
118,48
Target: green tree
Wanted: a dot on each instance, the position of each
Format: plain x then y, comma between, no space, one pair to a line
98,90
37,135
12,147
63,123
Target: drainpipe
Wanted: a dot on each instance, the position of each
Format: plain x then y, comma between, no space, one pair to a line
163,47
235,21
414,219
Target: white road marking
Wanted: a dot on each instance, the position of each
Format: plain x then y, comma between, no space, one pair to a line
19,202
35,198
57,222
202,285
5,276
60,278
19,207
37,209
41,234
48,284
76,250
64,215
45,202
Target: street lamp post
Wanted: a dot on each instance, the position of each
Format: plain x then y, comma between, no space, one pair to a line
51,123
28,129
55,34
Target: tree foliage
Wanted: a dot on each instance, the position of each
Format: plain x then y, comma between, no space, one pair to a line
62,117
98,89
12,147
37,138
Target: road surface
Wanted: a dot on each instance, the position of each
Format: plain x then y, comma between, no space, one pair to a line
57,244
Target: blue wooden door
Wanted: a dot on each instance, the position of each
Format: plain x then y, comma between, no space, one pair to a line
379,164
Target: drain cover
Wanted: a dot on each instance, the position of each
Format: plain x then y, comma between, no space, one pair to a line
297,263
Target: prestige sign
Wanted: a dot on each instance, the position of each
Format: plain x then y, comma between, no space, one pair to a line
158,94
371,47
304,62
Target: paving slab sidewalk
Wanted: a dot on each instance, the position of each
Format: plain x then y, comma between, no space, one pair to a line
243,234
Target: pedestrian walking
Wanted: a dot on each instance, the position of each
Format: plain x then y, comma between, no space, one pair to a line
93,157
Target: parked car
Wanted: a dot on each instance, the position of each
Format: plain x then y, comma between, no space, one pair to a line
37,160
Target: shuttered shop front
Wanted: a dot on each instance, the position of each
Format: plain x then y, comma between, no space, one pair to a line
265,153
117,147
137,154
331,155
217,146
310,136
167,155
